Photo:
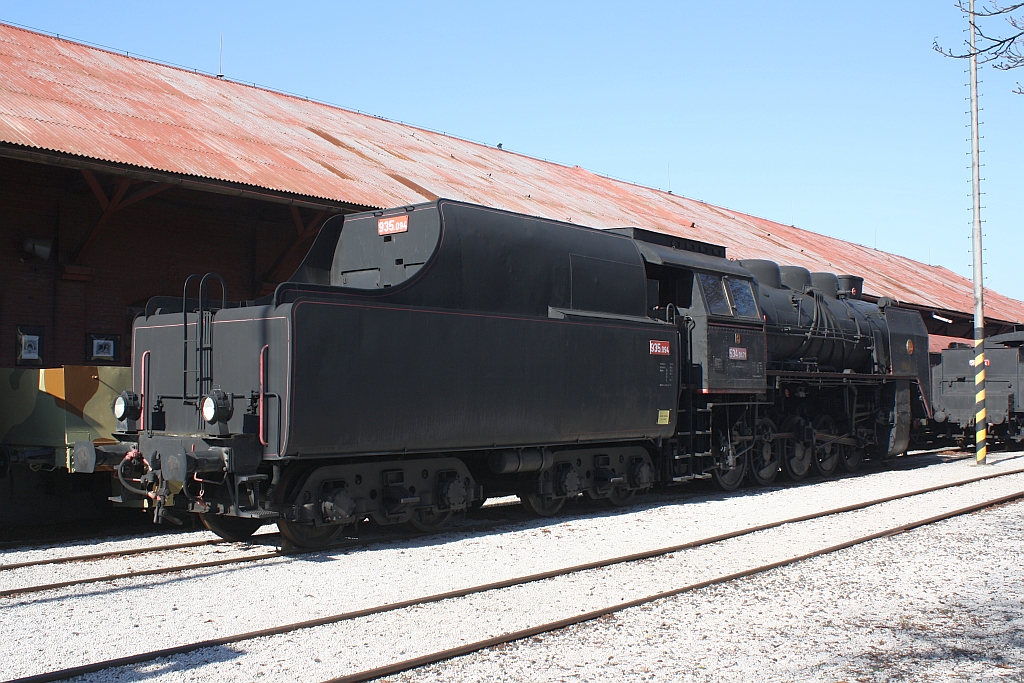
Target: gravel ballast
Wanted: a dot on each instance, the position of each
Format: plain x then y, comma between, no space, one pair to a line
942,603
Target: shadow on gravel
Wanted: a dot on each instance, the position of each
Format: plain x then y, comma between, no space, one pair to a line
178,663
113,591
966,643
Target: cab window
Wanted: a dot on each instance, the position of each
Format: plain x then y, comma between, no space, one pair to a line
714,294
742,295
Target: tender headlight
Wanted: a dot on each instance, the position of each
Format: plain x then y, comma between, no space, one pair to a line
216,407
127,406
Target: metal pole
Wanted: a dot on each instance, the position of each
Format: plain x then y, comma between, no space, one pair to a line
980,419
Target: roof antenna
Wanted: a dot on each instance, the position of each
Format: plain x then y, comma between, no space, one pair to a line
220,69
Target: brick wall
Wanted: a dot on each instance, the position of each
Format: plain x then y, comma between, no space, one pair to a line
144,250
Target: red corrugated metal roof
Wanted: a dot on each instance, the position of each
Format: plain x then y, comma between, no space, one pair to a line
67,97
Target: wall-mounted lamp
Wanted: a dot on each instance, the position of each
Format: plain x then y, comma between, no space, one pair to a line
940,318
39,247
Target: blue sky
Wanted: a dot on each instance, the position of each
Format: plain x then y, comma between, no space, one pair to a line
840,120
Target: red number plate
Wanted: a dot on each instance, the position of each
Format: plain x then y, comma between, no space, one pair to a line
737,353
389,226
661,348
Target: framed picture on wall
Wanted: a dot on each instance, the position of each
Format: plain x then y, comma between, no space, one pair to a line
103,348
28,348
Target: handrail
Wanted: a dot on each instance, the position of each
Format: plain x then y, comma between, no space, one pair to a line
144,381
184,327
204,350
263,395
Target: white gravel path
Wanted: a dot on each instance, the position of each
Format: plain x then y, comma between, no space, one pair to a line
96,622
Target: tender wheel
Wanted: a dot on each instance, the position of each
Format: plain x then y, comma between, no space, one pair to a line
302,535
231,528
851,458
765,458
429,522
541,506
620,497
826,456
796,455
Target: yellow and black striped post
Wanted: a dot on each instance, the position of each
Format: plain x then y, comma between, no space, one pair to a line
980,421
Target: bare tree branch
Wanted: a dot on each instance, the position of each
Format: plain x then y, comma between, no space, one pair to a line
1002,52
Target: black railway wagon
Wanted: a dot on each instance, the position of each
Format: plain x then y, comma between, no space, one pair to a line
953,391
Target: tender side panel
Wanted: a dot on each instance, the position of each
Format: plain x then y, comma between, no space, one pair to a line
370,379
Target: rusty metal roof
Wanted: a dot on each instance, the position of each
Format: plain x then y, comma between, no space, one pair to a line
70,98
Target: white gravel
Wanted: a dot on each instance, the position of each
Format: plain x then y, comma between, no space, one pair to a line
135,615
942,603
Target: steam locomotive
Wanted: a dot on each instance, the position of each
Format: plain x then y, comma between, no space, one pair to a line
426,357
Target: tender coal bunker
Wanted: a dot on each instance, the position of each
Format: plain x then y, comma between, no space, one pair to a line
597,285
366,259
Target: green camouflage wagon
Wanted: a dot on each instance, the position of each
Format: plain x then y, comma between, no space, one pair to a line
43,412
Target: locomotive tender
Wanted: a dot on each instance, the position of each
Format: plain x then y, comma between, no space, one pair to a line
426,357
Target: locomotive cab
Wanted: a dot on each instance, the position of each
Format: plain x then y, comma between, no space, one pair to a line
713,301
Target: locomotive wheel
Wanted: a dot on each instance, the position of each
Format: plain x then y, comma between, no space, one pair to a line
764,459
231,528
620,497
796,455
851,458
826,457
730,479
541,506
429,522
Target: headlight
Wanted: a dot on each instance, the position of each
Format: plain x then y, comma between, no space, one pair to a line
127,406
216,407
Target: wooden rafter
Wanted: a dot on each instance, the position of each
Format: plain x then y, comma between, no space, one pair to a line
111,205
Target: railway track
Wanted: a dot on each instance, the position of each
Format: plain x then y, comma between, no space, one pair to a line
511,636
287,552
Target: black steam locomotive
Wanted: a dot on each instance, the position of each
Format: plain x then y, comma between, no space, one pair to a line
426,357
